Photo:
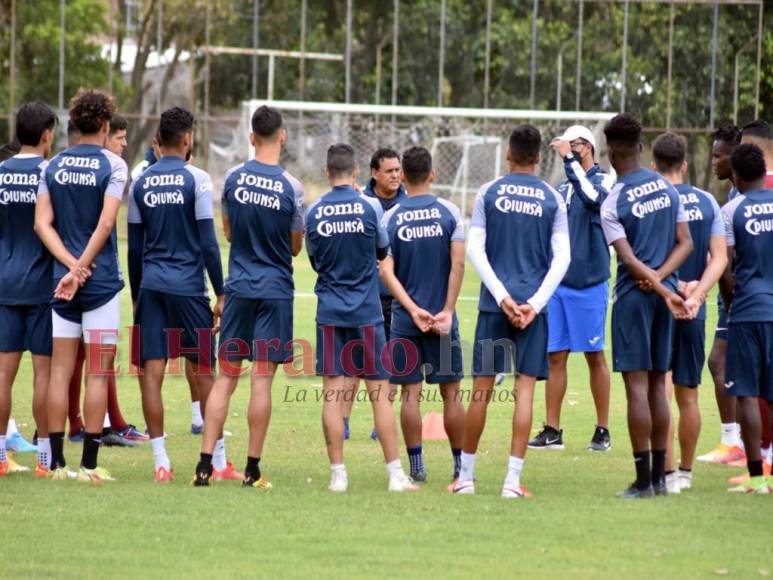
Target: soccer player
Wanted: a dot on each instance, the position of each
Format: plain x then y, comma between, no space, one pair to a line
643,218
748,288
344,239
519,245
26,271
424,273
577,311
78,200
697,275
729,448
171,235
263,219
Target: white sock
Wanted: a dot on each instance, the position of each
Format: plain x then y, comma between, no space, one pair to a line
44,452
730,434
3,456
395,468
196,417
106,422
514,467
467,473
11,427
337,468
159,453
766,454
219,461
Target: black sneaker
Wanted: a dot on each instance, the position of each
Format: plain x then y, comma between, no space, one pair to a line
634,492
419,476
203,476
114,439
660,488
548,438
601,440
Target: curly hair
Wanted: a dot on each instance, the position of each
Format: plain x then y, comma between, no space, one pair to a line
748,162
89,109
623,130
729,134
174,124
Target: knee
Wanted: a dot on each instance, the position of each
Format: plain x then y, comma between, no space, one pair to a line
596,360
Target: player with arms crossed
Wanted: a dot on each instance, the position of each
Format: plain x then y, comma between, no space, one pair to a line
519,245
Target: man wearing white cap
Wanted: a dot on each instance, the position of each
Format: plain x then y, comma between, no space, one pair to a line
577,311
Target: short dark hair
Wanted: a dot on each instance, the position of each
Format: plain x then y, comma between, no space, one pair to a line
118,123
9,150
174,124
381,154
669,151
758,128
32,120
748,162
89,109
729,134
266,121
417,165
623,130
340,160
525,141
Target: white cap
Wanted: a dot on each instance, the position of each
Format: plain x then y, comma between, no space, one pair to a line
579,132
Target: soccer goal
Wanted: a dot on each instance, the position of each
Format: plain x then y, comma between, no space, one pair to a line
468,145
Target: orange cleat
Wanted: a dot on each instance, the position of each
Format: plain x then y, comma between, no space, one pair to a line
3,468
733,454
42,472
228,473
744,477
164,475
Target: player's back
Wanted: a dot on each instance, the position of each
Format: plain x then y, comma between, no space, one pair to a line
263,204
26,267
518,212
168,199
343,232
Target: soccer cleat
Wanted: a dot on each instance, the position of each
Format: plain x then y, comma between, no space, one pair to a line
115,439
419,476
164,475
196,429
3,468
733,454
97,476
19,444
464,487
78,436
13,467
228,473
719,451
400,482
548,438
743,478
634,492
339,481
672,483
600,441
757,484
660,487
62,474
130,433
513,492
261,483
202,477
684,478
42,472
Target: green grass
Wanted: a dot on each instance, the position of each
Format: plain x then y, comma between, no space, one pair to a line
574,528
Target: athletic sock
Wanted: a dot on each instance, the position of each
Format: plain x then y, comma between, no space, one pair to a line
160,458
457,455
467,471
106,423
11,427
3,452
44,452
755,467
416,460
196,417
641,460
205,463
658,465
90,450
346,421
766,453
730,434
337,468
514,467
253,468
57,450
219,461
394,468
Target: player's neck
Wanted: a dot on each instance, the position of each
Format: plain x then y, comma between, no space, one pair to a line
747,186
95,139
530,169
627,166
674,178
342,182
268,155
30,150
416,190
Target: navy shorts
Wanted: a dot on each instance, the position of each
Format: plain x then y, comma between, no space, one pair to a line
749,371
642,333
689,352
256,329
721,333
26,327
171,326
499,344
431,358
577,318
352,351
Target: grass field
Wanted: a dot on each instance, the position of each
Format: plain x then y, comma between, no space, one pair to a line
575,527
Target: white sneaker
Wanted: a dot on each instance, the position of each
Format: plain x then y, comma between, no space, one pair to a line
672,483
464,487
401,482
512,492
685,479
339,481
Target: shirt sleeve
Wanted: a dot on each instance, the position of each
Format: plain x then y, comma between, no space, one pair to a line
382,237
681,215
204,194
476,252
717,224
119,174
310,247
727,217
134,217
42,183
610,221
457,235
559,264
479,208
593,192
298,220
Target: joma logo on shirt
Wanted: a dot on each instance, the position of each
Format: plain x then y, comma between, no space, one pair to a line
508,205
7,197
18,178
161,180
82,162
757,209
245,196
64,177
646,189
261,182
326,228
756,227
339,209
418,214
642,208
525,190
152,198
410,233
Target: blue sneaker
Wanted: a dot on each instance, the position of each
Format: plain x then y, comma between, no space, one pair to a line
78,437
346,430
19,444
196,429
374,435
